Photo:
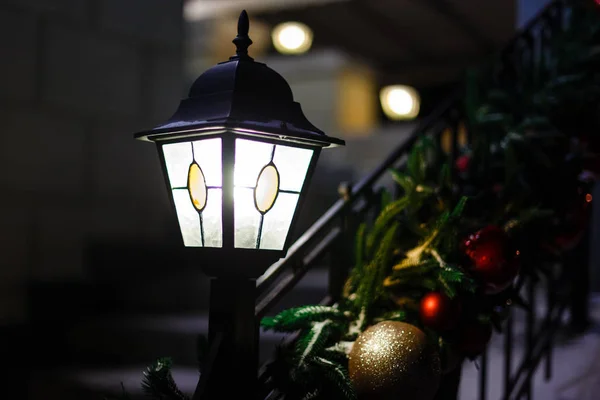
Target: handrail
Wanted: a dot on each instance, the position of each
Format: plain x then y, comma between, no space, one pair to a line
362,187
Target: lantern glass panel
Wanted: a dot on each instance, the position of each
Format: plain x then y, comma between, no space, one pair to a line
195,177
268,179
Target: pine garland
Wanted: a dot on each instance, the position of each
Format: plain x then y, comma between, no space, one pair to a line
518,180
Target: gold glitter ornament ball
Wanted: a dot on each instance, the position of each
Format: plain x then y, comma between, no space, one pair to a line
393,360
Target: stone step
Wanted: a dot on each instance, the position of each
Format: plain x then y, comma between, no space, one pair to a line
100,383
142,337
575,366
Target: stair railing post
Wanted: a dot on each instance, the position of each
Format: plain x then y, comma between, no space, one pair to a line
339,264
578,263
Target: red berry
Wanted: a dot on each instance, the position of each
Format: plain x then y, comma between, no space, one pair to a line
494,261
438,311
462,163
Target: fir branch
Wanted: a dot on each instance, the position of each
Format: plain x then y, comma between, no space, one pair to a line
446,287
416,164
410,272
356,326
438,258
396,315
158,381
312,341
371,287
337,375
387,215
405,181
342,347
445,178
459,208
312,395
357,272
293,319
413,256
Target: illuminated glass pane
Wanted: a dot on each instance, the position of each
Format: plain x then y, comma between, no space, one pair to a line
207,154
212,219
246,218
250,158
197,187
178,157
267,187
292,164
189,220
277,222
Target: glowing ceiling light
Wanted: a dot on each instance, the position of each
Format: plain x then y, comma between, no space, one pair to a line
400,102
292,38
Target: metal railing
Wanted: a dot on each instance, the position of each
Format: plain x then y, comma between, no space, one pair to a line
522,61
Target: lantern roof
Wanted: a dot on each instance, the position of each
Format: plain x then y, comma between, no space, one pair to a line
241,94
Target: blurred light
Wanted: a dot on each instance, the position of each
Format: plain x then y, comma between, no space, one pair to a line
399,102
196,10
292,38
588,197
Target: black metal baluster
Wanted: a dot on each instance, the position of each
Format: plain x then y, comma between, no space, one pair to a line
339,260
508,336
530,331
578,263
483,375
550,296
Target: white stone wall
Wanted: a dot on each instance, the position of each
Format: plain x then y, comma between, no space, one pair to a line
77,79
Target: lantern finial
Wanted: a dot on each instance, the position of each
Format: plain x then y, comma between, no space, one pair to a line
242,41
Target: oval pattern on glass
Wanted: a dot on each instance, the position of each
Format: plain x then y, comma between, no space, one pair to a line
267,188
197,187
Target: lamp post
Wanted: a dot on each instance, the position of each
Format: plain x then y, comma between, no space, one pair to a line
237,157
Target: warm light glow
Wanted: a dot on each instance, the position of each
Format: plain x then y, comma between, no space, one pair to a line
197,187
195,177
588,198
399,102
292,38
266,189
268,180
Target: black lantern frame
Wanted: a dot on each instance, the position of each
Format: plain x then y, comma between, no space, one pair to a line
240,99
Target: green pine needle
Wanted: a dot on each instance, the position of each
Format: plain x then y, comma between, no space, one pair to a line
293,319
158,381
387,215
312,341
459,208
396,315
405,181
337,375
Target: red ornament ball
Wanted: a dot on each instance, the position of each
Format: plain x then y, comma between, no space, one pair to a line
438,311
473,338
462,163
493,260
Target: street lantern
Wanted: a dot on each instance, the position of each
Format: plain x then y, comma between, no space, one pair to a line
237,156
